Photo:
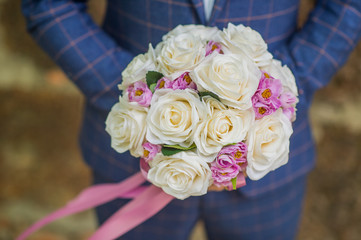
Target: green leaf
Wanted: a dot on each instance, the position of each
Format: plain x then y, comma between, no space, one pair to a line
170,151
230,144
213,95
152,87
234,183
152,77
180,147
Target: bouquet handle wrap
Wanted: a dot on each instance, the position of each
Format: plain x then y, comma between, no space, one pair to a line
147,202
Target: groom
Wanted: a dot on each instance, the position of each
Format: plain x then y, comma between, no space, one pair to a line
94,57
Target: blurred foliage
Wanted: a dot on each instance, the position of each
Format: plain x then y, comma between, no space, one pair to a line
17,38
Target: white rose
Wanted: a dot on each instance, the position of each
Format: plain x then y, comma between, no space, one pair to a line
234,78
180,53
223,126
138,68
201,31
268,144
283,73
126,126
244,39
173,117
181,175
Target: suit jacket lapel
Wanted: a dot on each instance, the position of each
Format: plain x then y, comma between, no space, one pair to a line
217,9
198,7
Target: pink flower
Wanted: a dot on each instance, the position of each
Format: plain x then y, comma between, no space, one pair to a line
266,99
164,83
262,109
213,46
289,112
229,162
287,99
224,176
150,150
269,90
140,93
184,81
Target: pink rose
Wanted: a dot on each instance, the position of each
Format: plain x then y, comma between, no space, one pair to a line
140,93
262,109
290,113
266,99
224,176
229,162
288,99
184,81
213,46
164,83
150,150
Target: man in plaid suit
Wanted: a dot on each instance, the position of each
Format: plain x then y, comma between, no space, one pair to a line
94,57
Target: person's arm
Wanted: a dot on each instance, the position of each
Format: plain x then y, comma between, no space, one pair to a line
86,54
323,45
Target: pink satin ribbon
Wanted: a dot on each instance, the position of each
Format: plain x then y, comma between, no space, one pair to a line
143,207
146,203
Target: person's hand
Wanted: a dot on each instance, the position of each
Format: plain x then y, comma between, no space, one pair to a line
214,188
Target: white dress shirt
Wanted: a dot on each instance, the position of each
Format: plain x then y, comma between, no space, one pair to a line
208,6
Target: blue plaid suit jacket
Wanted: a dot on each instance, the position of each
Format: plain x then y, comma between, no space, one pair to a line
94,57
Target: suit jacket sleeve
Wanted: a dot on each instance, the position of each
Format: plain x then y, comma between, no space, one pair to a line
323,45
86,54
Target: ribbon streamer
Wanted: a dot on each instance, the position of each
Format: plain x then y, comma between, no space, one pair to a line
146,203
143,207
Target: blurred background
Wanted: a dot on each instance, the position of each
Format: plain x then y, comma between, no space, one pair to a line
41,166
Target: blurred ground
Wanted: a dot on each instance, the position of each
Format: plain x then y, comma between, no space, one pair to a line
41,166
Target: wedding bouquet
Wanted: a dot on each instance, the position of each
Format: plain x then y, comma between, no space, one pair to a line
205,107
